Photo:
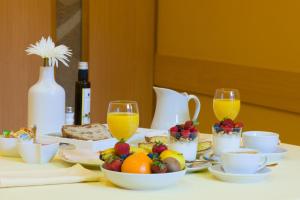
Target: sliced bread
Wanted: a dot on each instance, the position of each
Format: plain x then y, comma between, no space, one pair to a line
93,132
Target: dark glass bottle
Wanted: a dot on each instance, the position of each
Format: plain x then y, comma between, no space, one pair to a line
82,96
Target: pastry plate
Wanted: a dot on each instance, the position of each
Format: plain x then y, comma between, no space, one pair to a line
219,173
70,154
197,165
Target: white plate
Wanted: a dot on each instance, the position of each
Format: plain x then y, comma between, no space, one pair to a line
70,154
197,167
219,173
209,155
143,181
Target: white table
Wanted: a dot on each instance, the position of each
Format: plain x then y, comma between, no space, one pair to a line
283,184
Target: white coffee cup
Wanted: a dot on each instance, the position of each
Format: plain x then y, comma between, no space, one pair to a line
243,161
265,142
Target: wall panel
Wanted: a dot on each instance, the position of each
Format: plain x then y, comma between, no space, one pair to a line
22,22
121,49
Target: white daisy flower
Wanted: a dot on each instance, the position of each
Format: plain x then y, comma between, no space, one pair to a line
46,49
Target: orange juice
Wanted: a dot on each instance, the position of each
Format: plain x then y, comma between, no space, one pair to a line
226,108
122,124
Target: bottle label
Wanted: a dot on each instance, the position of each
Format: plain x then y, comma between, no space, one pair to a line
86,106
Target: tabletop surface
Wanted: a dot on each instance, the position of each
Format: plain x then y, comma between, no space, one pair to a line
284,183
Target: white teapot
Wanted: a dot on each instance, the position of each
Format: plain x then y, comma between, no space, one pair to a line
172,108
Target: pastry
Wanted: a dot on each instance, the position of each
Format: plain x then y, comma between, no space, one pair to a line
162,139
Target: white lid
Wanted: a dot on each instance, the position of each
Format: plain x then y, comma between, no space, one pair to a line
83,65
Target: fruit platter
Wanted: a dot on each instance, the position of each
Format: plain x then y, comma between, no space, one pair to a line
136,168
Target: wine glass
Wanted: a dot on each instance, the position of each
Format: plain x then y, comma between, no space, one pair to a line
226,103
123,118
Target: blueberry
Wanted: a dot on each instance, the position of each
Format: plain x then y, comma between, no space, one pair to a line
236,130
123,157
150,155
178,135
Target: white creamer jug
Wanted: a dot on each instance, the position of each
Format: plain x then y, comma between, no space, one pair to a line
172,108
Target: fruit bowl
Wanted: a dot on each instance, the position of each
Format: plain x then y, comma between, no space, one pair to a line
142,181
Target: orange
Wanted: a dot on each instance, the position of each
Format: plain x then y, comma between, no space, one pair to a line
137,163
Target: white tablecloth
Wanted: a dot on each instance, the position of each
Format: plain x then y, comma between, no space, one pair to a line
283,184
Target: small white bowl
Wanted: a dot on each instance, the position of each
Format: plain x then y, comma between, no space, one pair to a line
37,153
143,181
8,147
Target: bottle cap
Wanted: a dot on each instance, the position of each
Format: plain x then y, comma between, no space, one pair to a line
83,65
69,109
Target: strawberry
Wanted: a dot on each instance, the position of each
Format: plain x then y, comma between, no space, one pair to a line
227,122
185,133
238,125
113,163
159,147
227,129
158,167
193,129
174,129
188,125
122,148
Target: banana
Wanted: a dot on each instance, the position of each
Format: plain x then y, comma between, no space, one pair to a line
104,155
134,149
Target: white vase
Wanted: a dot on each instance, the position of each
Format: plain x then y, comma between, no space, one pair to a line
46,103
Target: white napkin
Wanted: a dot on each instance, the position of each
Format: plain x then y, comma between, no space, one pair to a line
80,156
74,174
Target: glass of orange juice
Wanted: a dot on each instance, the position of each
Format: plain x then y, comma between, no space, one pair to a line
123,118
226,103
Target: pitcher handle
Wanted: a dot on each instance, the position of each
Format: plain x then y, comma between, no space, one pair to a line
198,106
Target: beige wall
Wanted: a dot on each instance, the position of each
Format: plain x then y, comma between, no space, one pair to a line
258,34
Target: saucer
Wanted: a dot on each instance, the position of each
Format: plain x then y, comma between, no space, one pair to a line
219,173
276,156
197,165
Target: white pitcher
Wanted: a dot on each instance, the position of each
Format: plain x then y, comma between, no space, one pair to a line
172,108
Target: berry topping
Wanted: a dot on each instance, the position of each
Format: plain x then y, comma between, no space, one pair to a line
159,147
122,148
174,129
185,132
188,125
228,126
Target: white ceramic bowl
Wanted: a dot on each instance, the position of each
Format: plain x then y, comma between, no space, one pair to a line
143,181
8,147
37,153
